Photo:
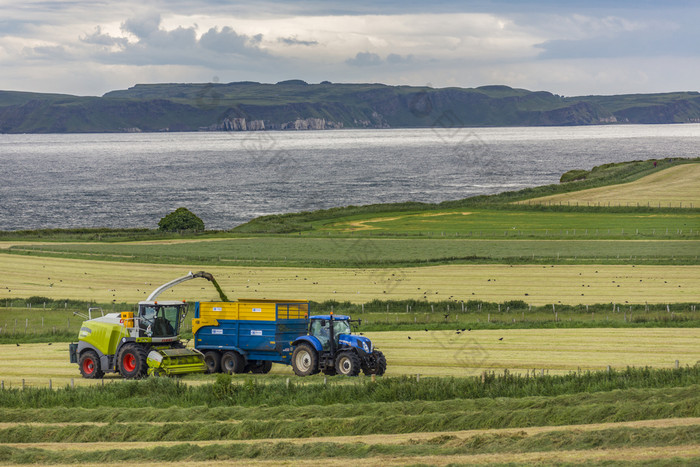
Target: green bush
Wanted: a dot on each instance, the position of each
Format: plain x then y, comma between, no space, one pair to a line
180,219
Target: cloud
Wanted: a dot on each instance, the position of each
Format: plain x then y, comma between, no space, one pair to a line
396,58
99,38
364,59
295,41
142,26
228,41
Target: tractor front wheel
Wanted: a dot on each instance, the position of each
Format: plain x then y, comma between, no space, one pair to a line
347,364
132,361
90,365
212,358
379,366
304,360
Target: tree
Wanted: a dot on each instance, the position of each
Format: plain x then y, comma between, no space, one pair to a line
180,219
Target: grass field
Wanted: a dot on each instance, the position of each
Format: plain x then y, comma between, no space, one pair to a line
514,224
536,284
641,415
378,252
524,386
436,353
673,187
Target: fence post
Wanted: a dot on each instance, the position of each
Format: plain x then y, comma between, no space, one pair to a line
677,364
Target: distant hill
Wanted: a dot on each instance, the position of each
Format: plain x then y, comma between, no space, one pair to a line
296,105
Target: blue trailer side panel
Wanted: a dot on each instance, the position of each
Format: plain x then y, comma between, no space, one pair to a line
268,338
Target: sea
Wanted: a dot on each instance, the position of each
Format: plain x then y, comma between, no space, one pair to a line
227,178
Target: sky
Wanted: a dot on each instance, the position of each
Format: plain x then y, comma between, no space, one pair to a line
569,48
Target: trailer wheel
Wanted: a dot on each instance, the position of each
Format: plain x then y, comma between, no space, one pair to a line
304,360
212,358
262,368
379,364
132,361
232,362
347,364
90,365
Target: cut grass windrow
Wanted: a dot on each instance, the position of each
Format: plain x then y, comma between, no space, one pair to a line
252,392
446,445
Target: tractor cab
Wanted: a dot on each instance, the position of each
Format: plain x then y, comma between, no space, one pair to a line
160,319
320,327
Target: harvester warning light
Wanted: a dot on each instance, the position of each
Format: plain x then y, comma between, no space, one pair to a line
127,319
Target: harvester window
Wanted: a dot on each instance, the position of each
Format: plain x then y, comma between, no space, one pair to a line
159,321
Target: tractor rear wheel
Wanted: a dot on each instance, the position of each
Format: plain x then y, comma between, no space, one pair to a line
90,365
232,362
347,364
132,361
212,358
304,360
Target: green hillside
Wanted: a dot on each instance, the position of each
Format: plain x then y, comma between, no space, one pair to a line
295,104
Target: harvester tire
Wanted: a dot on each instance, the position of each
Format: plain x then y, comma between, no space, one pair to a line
347,364
304,360
232,362
132,361
90,365
379,364
212,358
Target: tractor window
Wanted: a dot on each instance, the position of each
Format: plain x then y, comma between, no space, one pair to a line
341,327
321,330
158,321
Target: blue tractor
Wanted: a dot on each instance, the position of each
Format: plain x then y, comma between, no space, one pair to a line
331,348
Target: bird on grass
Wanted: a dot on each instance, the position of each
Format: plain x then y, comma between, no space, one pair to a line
17,345
459,332
409,337
469,329
426,329
500,338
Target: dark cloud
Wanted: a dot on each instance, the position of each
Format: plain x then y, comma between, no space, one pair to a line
396,58
295,41
364,59
98,38
142,26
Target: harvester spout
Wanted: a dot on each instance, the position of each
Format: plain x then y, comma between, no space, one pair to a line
189,276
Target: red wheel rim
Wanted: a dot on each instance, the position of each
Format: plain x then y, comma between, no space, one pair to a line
88,366
129,362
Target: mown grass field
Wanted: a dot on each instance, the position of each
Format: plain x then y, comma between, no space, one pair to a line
433,353
537,284
523,386
646,414
378,252
672,187
517,224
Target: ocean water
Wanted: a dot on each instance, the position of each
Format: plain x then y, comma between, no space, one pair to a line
132,180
